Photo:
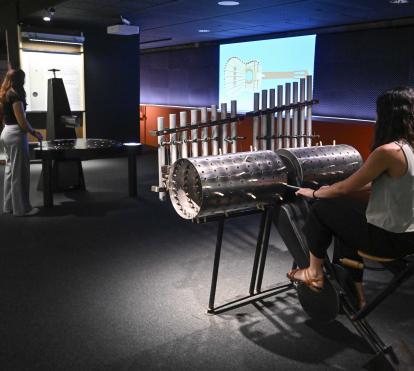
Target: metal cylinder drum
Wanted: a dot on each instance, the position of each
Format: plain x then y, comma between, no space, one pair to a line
206,186
320,165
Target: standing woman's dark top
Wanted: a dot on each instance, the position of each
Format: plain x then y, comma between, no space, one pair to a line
14,140
9,118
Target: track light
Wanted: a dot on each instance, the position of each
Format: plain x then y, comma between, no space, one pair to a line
50,13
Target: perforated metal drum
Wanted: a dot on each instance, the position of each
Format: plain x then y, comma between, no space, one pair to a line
204,186
321,165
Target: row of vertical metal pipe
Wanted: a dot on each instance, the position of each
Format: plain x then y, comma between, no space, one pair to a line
294,128
287,128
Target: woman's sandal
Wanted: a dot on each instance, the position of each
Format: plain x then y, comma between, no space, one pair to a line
315,284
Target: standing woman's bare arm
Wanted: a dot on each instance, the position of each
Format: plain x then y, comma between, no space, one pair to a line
20,115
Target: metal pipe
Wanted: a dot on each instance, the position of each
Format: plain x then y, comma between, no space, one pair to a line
161,157
302,113
204,132
223,115
295,116
272,104
233,127
256,100
173,138
287,116
309,86
194,134
183,122
279,117
263,121
214,131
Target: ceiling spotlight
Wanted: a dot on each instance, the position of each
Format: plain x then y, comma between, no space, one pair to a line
203,31
399,1
228,3
49,15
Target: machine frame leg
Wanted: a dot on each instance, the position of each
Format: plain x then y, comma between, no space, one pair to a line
266,232
258,252
219,242
262,244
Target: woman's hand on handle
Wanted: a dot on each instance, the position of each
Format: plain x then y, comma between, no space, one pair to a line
305,192
309,192
38,135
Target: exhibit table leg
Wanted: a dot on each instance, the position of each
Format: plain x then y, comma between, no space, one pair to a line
132,172
47,182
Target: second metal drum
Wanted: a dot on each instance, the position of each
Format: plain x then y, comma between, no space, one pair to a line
213,185
322,164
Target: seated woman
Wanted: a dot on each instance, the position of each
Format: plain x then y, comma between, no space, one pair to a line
386,226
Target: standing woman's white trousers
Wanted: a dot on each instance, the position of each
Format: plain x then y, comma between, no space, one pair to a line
17,171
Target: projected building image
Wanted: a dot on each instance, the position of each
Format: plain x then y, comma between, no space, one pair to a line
248,67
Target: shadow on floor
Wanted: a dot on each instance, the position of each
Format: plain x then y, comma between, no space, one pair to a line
101,204
279,327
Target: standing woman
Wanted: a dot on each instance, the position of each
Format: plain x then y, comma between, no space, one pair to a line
14,139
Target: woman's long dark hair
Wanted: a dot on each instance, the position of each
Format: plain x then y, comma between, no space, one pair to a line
395,117
14,80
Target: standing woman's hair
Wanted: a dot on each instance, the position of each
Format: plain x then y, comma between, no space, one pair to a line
14,80
395,117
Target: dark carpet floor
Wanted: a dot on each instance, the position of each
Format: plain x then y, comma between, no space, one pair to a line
106,282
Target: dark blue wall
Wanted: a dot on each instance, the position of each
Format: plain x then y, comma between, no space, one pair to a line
112,85
186,77
351,70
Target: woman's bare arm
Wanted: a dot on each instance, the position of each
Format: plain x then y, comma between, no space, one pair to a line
20,115
377,163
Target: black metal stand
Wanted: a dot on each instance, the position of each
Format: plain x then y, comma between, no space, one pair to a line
385,356
339,283
398,279
257,270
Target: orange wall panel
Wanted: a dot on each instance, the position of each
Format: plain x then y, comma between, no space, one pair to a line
356,134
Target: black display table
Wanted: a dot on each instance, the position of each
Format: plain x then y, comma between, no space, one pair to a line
82,150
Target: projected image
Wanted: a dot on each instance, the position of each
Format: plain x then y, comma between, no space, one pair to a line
249,67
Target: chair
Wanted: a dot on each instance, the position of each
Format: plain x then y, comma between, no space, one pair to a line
402,269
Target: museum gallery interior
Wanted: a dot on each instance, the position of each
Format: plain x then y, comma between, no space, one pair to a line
180,154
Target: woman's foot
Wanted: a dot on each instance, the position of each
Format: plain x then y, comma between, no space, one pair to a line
32,212
311,279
